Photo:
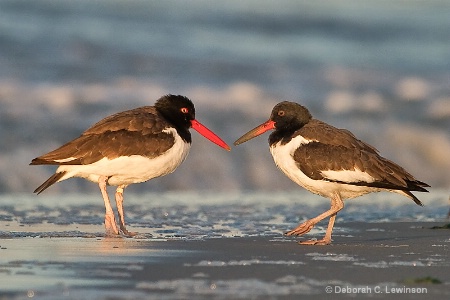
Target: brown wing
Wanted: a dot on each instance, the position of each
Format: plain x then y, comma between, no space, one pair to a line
134,132
339,149
333,136
315,157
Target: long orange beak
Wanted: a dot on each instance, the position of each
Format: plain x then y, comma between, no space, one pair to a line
266,126
203,130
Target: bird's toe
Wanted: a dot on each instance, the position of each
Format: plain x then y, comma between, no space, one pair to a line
315,242
301,229
127,233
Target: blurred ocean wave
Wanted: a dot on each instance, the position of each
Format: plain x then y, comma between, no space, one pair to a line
379,69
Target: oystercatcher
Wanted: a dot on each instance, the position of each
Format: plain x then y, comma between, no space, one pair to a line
330,162
128,147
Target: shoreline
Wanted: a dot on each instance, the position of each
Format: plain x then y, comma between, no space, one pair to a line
382,256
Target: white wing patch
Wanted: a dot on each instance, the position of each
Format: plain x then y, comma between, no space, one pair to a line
64,160
349,176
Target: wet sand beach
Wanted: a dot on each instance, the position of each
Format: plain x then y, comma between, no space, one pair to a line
241,255
376,259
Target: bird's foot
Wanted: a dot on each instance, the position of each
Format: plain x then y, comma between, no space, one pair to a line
316,242
110,225
127,233
301,229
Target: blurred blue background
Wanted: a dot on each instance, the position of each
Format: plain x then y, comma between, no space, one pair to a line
378,68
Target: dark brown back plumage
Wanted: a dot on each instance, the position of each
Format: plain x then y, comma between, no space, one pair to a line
113,137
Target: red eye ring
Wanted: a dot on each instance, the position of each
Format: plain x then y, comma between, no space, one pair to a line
184,110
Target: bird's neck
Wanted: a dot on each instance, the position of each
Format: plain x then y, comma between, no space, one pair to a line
283,136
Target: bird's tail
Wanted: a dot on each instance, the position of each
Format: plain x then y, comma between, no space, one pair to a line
53,179
414,198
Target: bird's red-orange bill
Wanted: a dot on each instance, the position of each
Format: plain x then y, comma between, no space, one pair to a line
203,130
266,126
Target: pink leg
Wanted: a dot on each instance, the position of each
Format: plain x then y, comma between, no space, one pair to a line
327,238
119,203
336,206
110,221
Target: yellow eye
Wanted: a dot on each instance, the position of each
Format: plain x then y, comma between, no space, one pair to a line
281,113
184,110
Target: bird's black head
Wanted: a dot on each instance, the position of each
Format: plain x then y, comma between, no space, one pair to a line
286,118
180,112
289,116
177,109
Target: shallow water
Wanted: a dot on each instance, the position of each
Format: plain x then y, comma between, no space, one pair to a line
198,215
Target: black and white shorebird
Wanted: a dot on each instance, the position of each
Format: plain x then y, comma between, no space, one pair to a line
330,162
128,147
